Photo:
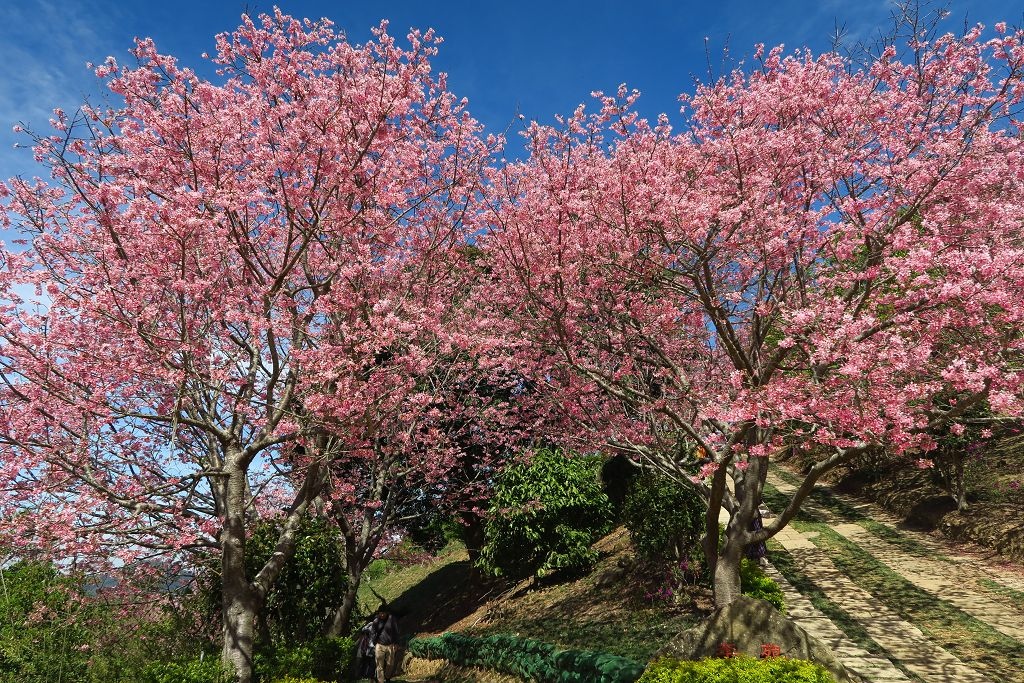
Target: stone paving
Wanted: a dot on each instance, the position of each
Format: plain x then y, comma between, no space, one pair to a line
874,668
903,641
954,581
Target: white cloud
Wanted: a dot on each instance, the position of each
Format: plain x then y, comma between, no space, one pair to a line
44,46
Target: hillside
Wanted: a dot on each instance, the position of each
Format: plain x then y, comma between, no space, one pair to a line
895,604
607,610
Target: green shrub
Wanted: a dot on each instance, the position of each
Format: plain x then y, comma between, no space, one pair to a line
736,670
528,659
293,679
208,670
379,568
43,630
301,603
328,659
755,583
545,515
665,518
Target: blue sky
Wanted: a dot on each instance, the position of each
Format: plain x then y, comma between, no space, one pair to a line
539,58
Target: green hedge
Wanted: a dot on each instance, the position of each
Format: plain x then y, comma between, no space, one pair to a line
736,670
528,659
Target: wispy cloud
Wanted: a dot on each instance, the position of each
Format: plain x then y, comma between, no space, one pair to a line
44,46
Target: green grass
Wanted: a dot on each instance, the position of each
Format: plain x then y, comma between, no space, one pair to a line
1015,596
636,635
391,579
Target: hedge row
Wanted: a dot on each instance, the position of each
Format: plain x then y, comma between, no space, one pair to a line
736,670
528,659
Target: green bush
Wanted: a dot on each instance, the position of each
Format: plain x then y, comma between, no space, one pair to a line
301,603
327,659
545,515
665,518
755,583
736,670
528,659
208,670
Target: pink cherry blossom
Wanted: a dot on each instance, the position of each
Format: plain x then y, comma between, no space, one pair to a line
243,290
818,253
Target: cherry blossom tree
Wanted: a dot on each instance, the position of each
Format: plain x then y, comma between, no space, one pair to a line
220,268
439,456
822,256
433,459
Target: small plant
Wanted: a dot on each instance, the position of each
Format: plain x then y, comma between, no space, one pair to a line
207,670
669,582
755,583
320,659
736,668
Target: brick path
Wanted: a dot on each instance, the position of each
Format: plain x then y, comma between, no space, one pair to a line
953,581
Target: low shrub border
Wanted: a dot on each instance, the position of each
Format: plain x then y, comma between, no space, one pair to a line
736,670
528,659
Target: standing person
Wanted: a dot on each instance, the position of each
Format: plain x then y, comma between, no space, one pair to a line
366,665
385,635
757,552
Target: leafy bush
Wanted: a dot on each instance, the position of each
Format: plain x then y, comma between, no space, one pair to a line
665,518
312,584
208,670
736,670
301,603
528,659
544,516
755,583
327,659
58,626
379,568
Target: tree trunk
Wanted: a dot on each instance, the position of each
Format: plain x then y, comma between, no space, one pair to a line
343,615
240,602
960,487
746,496
473,535
239,615
727,574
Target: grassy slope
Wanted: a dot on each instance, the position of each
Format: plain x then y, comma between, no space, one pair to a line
604,610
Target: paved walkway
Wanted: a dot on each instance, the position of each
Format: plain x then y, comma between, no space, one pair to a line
859,661
903,641
953,580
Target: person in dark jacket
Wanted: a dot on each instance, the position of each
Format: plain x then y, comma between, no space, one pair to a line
758,552
384,634
366,664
